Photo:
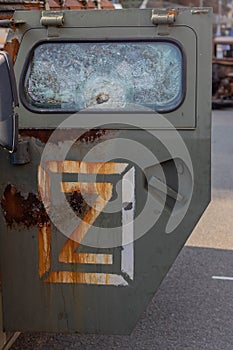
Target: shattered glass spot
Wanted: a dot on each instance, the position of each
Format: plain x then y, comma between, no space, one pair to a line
110,76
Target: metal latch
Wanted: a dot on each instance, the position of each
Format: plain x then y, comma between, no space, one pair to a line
52,20
10,23
163,18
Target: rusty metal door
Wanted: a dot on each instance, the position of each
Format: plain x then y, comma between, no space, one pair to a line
113,166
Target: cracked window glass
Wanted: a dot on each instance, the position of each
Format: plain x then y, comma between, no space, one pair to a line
111,76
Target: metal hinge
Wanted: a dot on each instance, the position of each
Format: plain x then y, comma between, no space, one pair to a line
163,18
53,20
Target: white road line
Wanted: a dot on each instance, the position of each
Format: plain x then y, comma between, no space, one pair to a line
223,278
144,4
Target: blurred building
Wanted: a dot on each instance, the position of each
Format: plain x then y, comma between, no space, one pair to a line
206,3
223,11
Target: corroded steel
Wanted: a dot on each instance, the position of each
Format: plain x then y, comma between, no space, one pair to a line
26,210
87,136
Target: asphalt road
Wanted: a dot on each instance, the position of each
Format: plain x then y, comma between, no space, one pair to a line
193,308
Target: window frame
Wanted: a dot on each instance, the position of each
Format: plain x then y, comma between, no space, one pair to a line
31,108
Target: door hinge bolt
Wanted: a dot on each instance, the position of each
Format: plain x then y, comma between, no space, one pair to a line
163,16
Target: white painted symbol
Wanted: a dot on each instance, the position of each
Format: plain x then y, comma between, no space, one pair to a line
104,192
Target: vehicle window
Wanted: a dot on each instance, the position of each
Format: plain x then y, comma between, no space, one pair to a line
73,76
223,51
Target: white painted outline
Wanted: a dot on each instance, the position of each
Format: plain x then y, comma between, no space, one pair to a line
127,219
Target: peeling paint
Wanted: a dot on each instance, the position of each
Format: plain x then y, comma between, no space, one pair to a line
28,210
21,209
62,135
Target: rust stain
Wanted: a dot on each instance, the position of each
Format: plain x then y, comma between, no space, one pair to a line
77,203
74,191
44,238
63,135
91,258
27,210
104,189
78,277
44,186
71,166
12,48
67,253
6,15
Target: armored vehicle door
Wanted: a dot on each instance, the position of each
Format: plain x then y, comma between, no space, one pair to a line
112,168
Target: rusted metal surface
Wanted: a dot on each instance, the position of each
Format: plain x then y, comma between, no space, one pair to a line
70,166
28,210
68,253
162,16
10,45
104,191
22,209
12,48
44,247
84,278
44,135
